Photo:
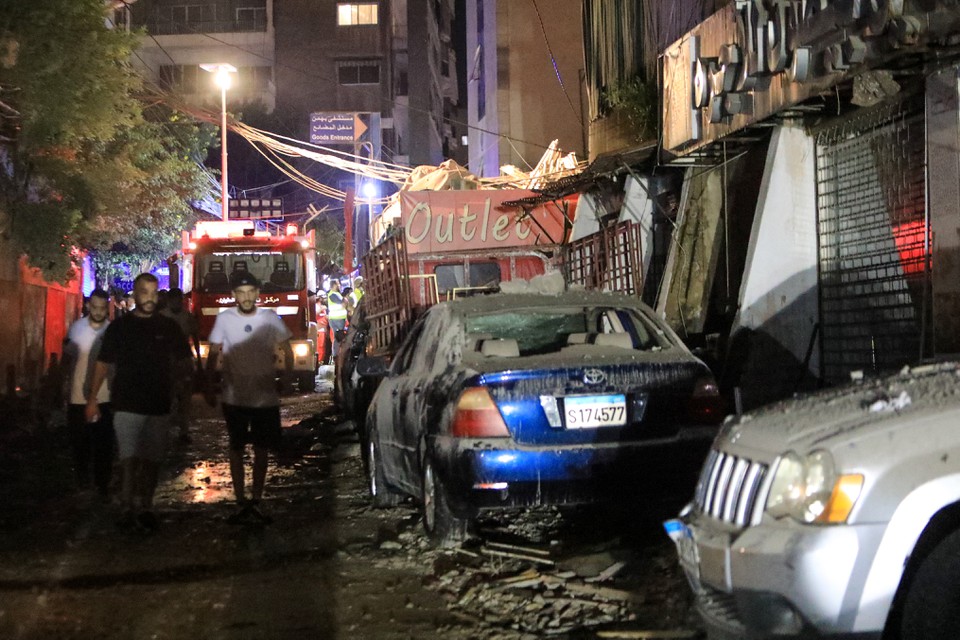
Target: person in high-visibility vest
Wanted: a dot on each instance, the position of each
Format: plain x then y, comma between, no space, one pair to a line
336,315
355,295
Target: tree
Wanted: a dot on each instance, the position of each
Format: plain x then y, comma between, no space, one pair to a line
83,162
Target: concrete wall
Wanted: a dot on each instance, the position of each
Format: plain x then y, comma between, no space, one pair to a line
526,102
638,207
481,70
778,305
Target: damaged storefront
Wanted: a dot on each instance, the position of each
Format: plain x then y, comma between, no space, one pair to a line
817,229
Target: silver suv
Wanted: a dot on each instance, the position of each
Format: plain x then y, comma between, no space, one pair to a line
833,515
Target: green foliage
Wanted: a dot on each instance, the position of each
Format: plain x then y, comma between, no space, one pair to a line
330,243
44,227
638,99
86,164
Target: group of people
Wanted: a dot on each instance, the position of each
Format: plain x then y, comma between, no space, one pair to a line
132,375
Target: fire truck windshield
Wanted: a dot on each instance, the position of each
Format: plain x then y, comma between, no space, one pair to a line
276,270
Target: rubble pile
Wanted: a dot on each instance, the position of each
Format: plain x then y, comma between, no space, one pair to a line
532,586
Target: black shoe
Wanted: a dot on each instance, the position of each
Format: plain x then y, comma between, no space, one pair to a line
249,514
148,521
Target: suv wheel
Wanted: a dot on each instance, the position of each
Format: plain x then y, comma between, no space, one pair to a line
930,610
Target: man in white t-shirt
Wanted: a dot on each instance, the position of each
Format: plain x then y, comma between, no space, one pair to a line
92,442
248,337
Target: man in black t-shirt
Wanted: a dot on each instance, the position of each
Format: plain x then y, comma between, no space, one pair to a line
142,347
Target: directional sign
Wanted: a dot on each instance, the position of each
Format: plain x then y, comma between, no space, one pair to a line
334,127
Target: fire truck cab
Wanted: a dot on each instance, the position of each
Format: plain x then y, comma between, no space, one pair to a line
281,259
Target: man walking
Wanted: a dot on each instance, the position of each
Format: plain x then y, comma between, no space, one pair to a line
142,347
248,337
183,376
92,442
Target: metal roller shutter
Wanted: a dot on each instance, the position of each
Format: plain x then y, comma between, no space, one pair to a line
873,241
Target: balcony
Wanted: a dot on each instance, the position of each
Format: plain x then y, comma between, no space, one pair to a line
245,25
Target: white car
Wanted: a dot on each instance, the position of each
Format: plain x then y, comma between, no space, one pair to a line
835,515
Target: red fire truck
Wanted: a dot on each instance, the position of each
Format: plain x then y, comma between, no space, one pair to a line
283,261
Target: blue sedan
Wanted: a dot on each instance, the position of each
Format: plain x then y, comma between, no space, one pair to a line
511,400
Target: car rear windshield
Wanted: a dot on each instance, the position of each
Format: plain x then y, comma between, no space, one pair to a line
543,331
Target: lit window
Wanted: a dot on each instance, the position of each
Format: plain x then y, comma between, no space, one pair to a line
354,13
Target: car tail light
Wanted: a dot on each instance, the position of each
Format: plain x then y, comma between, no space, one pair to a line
706,404
477,416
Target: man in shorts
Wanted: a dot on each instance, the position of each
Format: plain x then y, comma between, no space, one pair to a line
142,347
248,337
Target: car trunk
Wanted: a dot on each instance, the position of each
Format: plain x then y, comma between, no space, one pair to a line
596,403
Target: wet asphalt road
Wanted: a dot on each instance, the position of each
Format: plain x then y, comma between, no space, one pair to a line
329,566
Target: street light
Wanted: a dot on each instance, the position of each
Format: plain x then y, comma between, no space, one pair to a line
221,77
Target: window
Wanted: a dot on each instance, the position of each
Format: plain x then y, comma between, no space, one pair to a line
208,16
251,18
182,78
454,276
357,13
276,270
358,72
254,78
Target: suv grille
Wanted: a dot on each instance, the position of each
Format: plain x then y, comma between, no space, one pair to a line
732,489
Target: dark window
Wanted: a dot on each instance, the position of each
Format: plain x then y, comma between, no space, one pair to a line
183,78
254,78
358,73
221,16
480,274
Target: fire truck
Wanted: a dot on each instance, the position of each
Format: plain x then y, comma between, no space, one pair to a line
283,260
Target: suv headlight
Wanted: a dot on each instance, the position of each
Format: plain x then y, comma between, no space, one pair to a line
809,489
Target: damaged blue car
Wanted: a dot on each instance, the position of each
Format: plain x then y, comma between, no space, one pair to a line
511,400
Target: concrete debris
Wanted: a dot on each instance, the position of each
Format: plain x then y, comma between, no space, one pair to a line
886,403
518,556
608,573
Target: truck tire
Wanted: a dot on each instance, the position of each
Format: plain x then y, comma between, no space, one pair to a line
931,609
445,528
380,495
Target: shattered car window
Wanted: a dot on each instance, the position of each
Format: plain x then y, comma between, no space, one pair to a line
543,331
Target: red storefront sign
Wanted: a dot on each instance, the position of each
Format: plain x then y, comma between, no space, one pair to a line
442,221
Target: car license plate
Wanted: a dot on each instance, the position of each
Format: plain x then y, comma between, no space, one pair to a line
587,412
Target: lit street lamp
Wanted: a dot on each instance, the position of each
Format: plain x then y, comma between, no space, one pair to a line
221,77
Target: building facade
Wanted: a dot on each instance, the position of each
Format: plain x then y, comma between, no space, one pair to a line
524,68
393,58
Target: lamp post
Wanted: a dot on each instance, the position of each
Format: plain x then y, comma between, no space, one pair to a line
221,77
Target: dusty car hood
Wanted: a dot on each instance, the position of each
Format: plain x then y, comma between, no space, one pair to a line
827,418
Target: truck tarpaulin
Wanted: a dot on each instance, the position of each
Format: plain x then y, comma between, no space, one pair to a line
444,221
